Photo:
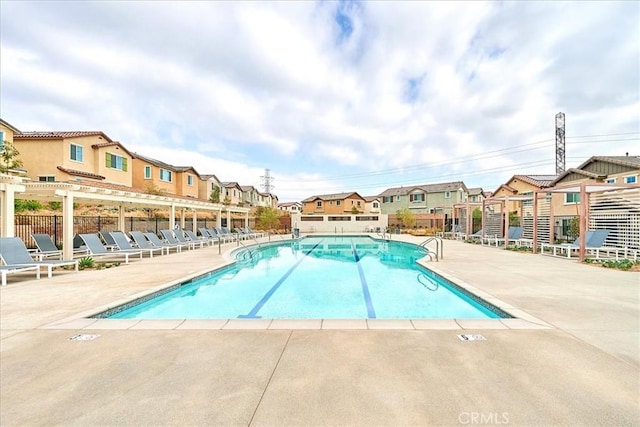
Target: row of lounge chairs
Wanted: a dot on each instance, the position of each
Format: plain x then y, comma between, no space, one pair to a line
16,258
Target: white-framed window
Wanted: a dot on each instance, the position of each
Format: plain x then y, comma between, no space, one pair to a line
631,179
47,178
418,197
76,153
610,180
527,202
319,204
375,205
358,203
398,198
190,180
165,175
147,172
1,141
338,202
571,198
114,161
447,194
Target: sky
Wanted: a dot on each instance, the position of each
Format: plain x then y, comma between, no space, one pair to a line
330,96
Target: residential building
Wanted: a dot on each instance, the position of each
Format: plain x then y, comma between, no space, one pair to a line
74,156
328,204
231,194
251,196
428,198
522,185
476,195
293,207
207,185
155,176
372,204
6,132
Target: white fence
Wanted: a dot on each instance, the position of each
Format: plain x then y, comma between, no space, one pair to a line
339,224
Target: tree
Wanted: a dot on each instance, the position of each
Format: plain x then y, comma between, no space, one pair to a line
355,211
268,218
9,157
214,197
406,218
226,201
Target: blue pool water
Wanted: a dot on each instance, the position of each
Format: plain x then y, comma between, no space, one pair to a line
346,277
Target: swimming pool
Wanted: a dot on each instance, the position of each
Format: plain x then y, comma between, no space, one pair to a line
339,277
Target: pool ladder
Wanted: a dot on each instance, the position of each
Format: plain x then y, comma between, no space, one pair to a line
439,252
427,282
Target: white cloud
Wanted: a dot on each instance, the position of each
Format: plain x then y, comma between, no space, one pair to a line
400,92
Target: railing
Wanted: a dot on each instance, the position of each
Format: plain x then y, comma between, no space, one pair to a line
430,283
439,252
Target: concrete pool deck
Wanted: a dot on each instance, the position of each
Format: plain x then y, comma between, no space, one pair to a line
572,357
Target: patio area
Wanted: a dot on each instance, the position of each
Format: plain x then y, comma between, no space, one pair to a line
577,365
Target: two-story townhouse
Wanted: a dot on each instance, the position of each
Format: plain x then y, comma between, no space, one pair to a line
250,196
372,204
476,195
74,156
597,169
231,194
153,175
293,207
428,198
328,204
6,136
208,186
522,185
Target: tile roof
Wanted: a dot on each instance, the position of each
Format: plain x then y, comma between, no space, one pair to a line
475,191
81,173
427,188
540,181
337,196
60,134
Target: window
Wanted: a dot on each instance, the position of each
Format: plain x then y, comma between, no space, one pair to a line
147,172
1,141
190,180
338,202
571,198
398,198
447,194
358,203
416,197
527,202
319,204
610,181
165,175
76,152
631,179
46,178
375,205
116,162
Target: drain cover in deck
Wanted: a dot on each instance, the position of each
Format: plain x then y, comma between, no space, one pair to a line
471,337
84,337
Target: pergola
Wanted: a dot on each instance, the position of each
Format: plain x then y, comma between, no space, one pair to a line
12,187
585,189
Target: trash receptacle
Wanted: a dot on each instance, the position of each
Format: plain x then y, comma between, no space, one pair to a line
296,233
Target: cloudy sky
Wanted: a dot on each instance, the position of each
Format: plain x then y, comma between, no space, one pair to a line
331,96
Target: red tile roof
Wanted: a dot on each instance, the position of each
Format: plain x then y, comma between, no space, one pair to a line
81,173
60,134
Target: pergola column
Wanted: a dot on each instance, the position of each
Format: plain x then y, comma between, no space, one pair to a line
194,221
219,218
8,210
67,225
121,220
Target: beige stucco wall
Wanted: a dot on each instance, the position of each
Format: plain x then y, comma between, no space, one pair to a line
113,176
205,187
140,182
182,183
7,133
41,158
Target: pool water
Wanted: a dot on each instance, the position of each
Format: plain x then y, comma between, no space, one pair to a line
346,277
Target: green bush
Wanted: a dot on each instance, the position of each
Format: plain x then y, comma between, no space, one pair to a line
85,262
27,205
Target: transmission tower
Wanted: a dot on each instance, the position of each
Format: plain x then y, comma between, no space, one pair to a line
560,151
267,185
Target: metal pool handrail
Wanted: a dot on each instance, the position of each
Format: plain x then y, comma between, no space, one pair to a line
439,246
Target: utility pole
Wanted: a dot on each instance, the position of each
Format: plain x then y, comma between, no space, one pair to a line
560,150
267,179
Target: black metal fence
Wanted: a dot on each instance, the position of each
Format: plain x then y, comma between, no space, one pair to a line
52,225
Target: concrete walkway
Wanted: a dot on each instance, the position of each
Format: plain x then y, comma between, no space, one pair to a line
579,367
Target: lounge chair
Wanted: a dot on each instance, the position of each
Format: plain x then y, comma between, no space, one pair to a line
46,247
193,237
155,240
225,233
172,239
97,249
256,233
514,233
142,242
243,234
14,253
217,231
204,231
5,270
594,241
123,244
109,243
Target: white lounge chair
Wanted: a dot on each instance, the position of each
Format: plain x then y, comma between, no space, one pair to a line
123,244
46,247
594,241
97,249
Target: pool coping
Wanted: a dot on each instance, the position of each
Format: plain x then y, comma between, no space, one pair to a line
84,320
